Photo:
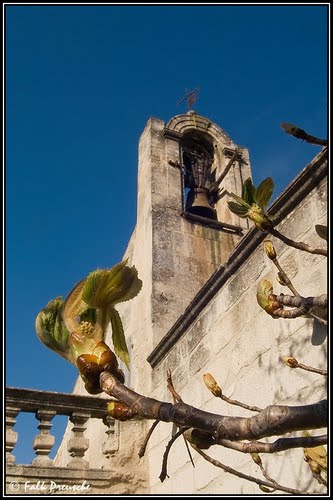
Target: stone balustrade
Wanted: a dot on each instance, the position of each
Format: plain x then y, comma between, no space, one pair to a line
42,475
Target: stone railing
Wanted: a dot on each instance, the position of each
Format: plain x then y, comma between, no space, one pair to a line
42,475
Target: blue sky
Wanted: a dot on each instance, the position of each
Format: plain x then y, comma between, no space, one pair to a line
81,82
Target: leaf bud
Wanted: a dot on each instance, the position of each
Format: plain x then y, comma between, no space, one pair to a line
119,411
290,361
270,250
212,385
280,279
256,458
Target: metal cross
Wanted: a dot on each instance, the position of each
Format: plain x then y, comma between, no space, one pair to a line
190,97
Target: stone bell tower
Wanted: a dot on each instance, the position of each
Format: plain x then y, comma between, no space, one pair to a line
184,229
184,233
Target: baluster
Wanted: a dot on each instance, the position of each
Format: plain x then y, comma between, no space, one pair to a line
44,442
110,446
78,444
11,435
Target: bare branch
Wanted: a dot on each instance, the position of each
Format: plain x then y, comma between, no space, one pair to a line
297,244
143,447
280,444
312,369
257,460
303,302
252,479
291,287
302,306
273,420
238,403
171,388
296,312
293,363
164,474
176,398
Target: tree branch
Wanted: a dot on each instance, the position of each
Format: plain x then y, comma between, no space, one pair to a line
176,397
143,447
293,363
238,403
297,244
164,474
252,479
303,302
291,287
280,444
274,420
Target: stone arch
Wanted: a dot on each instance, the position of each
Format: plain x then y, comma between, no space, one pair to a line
191,122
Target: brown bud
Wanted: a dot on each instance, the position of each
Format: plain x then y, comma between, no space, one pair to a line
88,366
212,385
290,361
119,411
90,371
108,358
270,250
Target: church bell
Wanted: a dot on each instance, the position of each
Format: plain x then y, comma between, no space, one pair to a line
198,181
197,203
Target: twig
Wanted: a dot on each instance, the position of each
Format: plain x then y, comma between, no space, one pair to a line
312,369
170,386
257,460
297,244
176,398
145,442
164,474
293,363
238,403
252,479
285,278
280,444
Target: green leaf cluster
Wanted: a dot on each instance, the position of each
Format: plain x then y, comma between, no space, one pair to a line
92,300
253,202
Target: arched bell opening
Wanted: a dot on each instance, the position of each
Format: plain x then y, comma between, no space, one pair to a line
197,155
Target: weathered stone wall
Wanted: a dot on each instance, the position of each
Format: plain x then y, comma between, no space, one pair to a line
231,337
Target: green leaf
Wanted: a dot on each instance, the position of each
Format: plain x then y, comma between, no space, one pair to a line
92,287
264,289
73,307
248,191
109,287
264,192
52,331
118,336
238,209
240,200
